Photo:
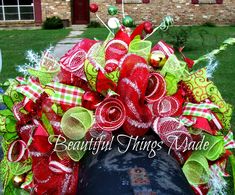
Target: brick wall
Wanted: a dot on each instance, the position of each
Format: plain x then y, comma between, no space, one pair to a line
61,8
183,11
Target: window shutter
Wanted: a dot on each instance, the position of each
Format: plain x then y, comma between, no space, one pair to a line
219,1
195,1
143,1
38,12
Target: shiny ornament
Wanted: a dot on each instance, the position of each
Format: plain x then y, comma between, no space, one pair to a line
113,23
148,27
112,10
90,100
18,180
128,21
157,59
94,7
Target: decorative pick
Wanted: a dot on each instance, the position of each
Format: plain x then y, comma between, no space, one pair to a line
165,24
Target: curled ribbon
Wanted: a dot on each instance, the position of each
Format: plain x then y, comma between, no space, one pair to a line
166,106
110,114
17,151
171,132
156,87
76,122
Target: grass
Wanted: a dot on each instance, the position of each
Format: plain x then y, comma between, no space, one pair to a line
201,40
14,44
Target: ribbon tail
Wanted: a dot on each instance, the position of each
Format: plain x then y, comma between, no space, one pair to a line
229,142
232,162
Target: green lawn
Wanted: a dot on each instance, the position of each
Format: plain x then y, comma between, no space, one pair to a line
14,44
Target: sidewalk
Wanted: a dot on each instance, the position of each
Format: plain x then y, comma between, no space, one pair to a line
66,44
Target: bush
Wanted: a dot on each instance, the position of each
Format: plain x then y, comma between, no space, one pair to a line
209,24
53,23
94,24
179,36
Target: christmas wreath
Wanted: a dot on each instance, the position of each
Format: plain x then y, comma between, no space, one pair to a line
98,88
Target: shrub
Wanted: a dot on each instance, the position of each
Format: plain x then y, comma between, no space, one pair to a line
94,24
53,23
179,36
209,24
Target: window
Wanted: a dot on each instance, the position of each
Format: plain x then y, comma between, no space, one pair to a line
16,10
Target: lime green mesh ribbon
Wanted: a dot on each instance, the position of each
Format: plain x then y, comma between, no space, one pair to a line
171,84
140,47
196,169
216,147
175,67
76,122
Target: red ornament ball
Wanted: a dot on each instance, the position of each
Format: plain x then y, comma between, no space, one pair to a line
148,27
94,7
90,100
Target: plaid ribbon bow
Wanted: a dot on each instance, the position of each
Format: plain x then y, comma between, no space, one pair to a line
66,94
31,88
229,142
199,110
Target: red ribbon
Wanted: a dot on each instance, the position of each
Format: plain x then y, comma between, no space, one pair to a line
110,114
132,87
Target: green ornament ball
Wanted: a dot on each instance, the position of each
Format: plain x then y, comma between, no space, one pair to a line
128,21
112,10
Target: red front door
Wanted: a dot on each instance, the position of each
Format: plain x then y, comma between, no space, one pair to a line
81,13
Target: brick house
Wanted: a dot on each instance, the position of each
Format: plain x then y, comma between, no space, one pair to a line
33,12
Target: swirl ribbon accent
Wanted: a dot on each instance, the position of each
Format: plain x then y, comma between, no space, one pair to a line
156,87
110,114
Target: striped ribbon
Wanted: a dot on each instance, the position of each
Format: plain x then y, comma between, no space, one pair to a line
66,94
199,110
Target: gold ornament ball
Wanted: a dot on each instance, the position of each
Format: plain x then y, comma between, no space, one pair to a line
18,180
157,59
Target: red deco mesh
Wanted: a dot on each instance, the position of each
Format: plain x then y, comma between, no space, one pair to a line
73,61
172,133
115,50
156,87
131,88
166,106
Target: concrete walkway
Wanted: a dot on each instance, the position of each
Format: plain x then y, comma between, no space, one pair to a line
66,44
